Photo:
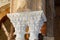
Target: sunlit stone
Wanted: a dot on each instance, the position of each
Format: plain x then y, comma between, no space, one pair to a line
21,20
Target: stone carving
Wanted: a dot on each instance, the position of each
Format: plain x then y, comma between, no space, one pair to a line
25,5
33,19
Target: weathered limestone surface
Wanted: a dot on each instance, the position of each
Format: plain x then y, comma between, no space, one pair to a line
34,20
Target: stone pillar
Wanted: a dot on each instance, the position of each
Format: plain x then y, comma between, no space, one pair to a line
50,13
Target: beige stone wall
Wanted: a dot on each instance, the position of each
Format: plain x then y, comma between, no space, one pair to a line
4,2
25,5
